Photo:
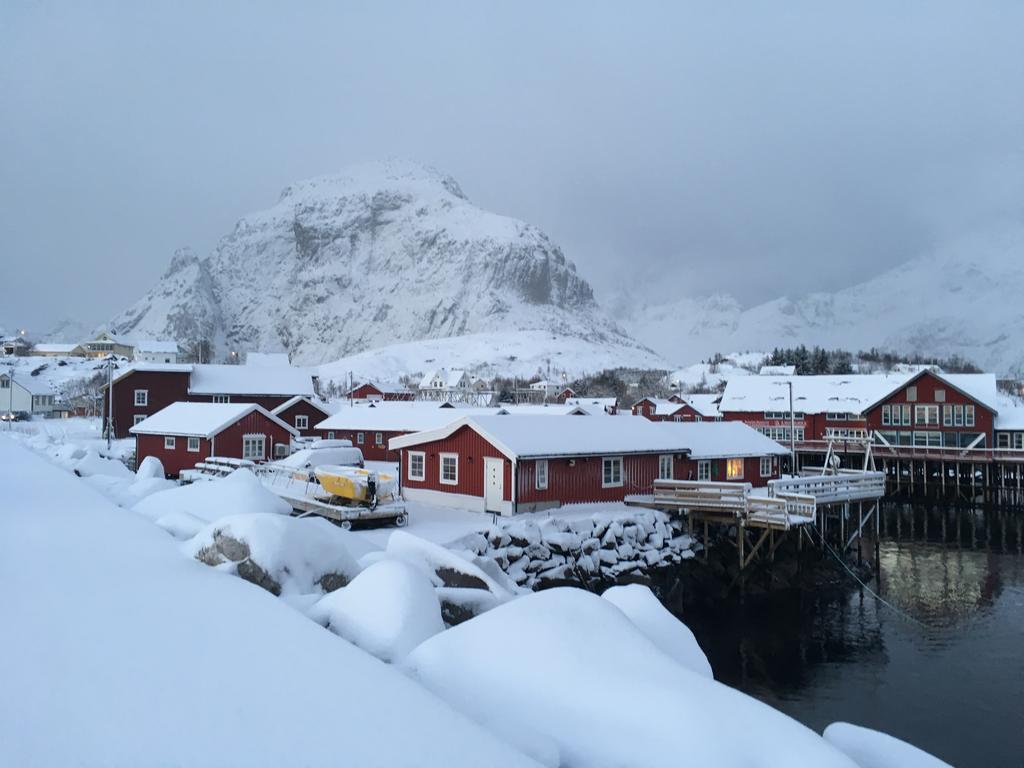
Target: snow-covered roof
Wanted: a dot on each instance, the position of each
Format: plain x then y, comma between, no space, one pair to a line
382,386
155,346
250,380
1011,413
533,437
600,402
152,368
31,384
705,405
322,407
202,419
851,393
777,370
811,394
551,409
56,349
264,359
396,416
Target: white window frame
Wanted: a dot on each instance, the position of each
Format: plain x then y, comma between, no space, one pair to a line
248,440
766,461
378,438
422,456
301,421
360,438
193,441
704,470
143,401
666,459
540,475
221,399
169,443
743,469
1003,440
612,462
138,418
441,459
968,415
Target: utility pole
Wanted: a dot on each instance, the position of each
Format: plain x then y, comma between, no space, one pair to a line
110,400
792,431
10,397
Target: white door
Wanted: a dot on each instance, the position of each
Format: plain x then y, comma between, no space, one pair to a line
494,484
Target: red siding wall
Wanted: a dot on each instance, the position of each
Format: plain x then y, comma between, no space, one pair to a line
472,449
164,387
569,482
372,450
304,408
228,442
269,402
926,385
175,460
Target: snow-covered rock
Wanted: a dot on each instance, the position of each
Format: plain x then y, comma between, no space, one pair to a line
659,626
383,251
570,666
151,467
387,610
240,491
94,464
444,567
874,749
282,554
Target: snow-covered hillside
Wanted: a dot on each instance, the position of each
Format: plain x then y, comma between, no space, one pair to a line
378,254
963,299
523,354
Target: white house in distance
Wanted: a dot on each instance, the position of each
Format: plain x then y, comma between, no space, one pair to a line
25,394
445,384
155,351
547,389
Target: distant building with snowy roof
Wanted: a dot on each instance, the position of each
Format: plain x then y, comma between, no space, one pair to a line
777,370
25,394
155,351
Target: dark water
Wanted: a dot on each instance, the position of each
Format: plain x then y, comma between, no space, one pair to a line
952,684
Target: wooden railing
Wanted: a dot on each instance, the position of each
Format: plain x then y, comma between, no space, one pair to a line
935,452
845,485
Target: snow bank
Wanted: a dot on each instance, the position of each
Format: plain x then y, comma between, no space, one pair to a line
659,626
170,664
94,464
282,554
569,665
240,491
151,466
387,610
874,749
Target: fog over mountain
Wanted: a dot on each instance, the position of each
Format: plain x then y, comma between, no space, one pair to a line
673,150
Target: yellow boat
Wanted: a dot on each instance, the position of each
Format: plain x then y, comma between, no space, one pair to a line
355,484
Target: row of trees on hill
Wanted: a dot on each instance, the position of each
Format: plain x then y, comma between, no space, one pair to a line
818,360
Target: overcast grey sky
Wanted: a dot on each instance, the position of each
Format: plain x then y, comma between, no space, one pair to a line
756,148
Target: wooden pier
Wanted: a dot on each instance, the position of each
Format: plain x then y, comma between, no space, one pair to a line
813,501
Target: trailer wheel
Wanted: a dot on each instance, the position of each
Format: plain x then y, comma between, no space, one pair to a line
402,520
346,525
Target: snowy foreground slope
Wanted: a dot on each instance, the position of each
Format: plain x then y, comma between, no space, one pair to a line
199,628
378,253
963,299
116,650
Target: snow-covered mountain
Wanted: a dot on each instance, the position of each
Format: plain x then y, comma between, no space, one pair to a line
379,254
963,299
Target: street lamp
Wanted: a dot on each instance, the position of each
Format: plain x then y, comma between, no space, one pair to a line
792,427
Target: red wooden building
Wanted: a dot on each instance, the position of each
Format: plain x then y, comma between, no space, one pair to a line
924,408
183,434
370,426
510,464
371,392
303,413
143,389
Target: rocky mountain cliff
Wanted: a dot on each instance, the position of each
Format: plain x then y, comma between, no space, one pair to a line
378,254
963,299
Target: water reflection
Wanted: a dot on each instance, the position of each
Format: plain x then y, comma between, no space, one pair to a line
950,679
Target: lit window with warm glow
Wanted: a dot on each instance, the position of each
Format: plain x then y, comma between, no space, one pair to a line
734,469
